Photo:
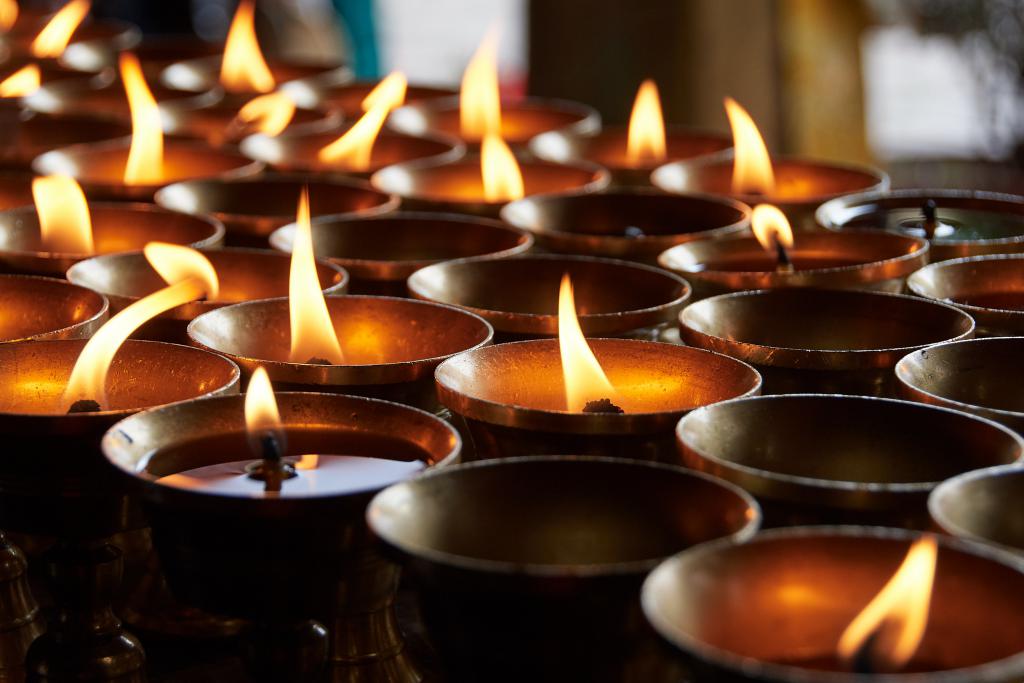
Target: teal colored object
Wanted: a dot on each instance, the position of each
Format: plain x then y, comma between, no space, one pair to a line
357,16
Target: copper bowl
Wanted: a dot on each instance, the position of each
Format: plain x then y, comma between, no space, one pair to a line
989,288
219,126
252,208
971,223
512,399
774,608
977,376
115,227
558,603
158,52
821,341
104,97
865,260
347,95
203,73
35,133
244,275
381,252
15,189
41,308
93,46
632,224
827,459
982,506
519,296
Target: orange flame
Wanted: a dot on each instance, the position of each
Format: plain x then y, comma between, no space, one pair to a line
354,148
175,263
893,624
243,68
503,181
752,169
261,412
770,226
584,378
313,335
269,114
307,462
89,377
24,81
646,141
64,221
479,97
8,14
146,156
57,33
390,91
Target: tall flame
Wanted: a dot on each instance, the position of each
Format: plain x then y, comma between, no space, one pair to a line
64,222
503,181
24,81
752,168
770,226
893,624
175,263
313,335
89,377
355,147
479,97
646,140
584,378
57,33
261,413
8,14
146,156
269,114
391,91
243,68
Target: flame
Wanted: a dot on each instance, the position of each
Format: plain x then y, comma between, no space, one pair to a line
89,377
646,141
146,156
269,114
243,68
175,263
64,221
391,91
770,225
313,335
57,33
8,14
893,624
261,412
503,181
752,169
584,379
24,81
479,98
355,148
307,462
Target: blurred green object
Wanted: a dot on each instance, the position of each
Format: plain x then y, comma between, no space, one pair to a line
357,17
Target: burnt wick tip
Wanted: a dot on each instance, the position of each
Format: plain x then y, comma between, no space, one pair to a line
928,209
84,405
318,361
602,405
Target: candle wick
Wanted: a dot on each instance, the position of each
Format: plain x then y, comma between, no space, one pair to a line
930,222
783,262
862,663
84,405
272,470
318,361
602,405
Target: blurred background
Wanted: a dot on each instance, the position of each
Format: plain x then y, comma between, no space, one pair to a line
931,89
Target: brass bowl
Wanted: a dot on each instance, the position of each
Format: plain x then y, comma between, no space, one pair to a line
977,376
982,506
252,208
827,459
104,97
93,46
972,223
633,224
821,341
219,126
160,51
347,95
244,275
558,603
42,308
512,399
15,188
392,345
36,133
203,73
989,288
381,252
115,226
519,296
773,609
872,261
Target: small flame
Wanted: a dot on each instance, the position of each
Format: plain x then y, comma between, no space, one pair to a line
307,462
355,147
57,33
146,156
646,141
24,81
313,335
771,227
584,378
893,624
8,14
390,91
89,377
269,114
243,68
503,181
479,98
175,263
261,414
752,169
64,221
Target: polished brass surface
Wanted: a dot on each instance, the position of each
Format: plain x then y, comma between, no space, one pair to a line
99,167
392,346
978,376
558,603
94,45
512,397
203,73
244,275
252,208
827,459
762,611
38,308
218,123
380,252
457,186
634,224
105,97
20,619
116,227
866,260
348,95
981,506
819,340
36,133
989,288
519,296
